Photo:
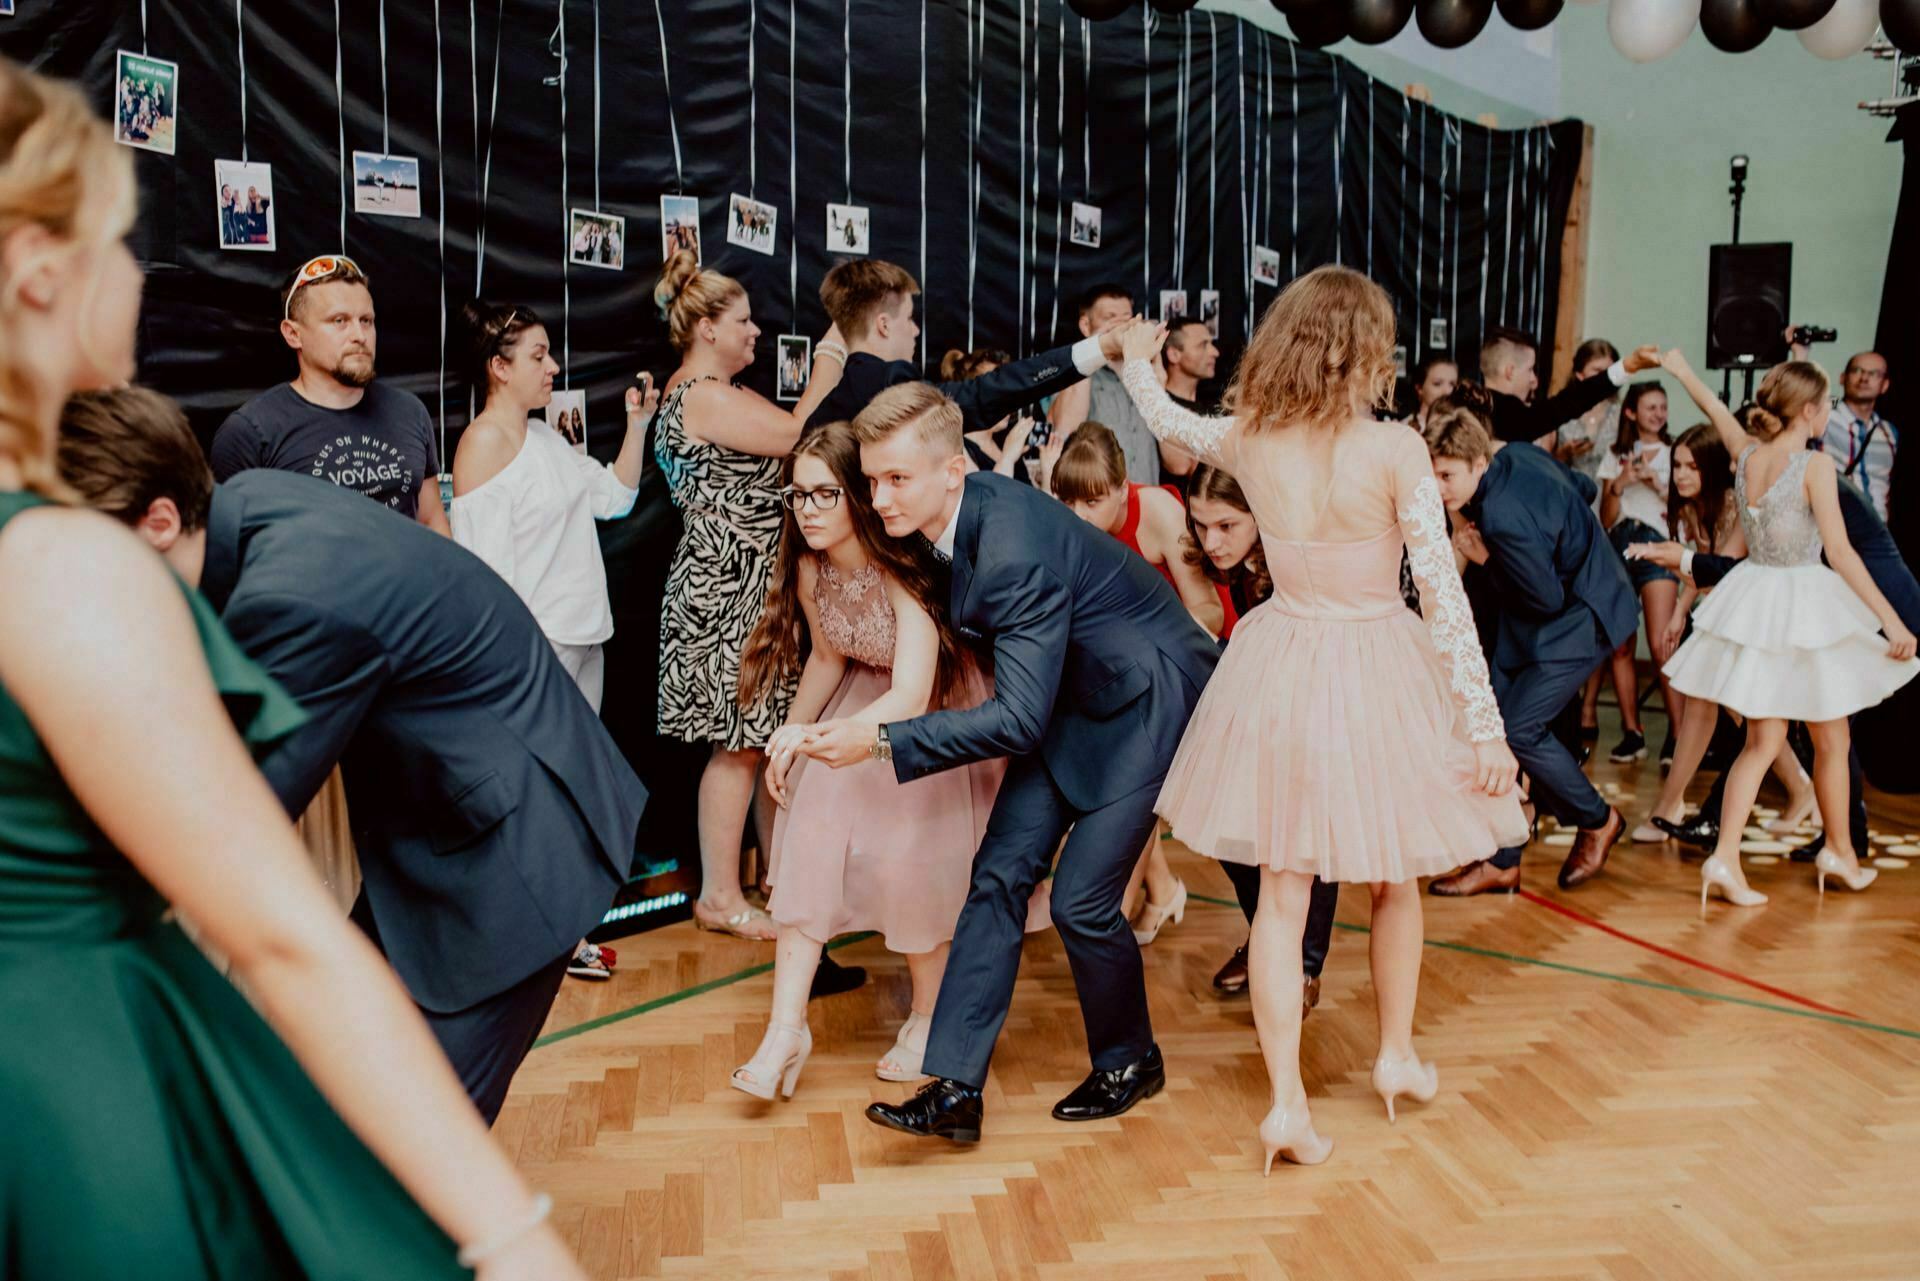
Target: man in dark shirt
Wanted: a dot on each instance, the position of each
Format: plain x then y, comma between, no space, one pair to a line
333,421
1509,369
1191,357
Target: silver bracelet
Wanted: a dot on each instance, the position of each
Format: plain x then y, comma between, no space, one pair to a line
833,351
472,1256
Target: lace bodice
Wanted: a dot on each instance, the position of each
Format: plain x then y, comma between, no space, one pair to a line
1780,529
855,614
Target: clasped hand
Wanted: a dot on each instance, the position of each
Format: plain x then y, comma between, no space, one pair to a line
836,744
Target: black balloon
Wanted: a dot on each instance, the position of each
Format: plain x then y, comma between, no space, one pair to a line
1794,15
1287,6
1174,6
1318,23
1448,24
1900,20
1529,15
1733,26
1378,21
1100,10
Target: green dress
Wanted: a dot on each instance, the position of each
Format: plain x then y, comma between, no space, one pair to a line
151,1124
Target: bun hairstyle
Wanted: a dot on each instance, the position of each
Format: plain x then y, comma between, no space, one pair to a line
60,170
1322,351
688,293
1787,389
488,329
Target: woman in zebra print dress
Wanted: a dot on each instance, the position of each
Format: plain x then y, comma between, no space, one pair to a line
719,447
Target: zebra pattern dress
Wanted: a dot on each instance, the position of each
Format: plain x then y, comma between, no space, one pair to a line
730,503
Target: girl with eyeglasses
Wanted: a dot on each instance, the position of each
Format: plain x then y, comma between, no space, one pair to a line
861,623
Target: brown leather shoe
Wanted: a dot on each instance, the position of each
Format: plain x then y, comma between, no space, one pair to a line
1309,994
1476,878
1590,850
1231,980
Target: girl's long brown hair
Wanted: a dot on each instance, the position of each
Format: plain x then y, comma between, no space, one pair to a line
1209,482
1706,513
777,648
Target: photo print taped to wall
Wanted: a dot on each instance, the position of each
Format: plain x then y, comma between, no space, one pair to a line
1086,225
599,240
567,414
386,186
1210,312
1266,266
847,229
750,224
243,198
792,366
146,102
1173,305
679,226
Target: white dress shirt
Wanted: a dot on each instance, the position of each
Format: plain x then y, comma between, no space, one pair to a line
944,543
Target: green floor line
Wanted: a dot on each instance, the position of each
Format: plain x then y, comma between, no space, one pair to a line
1516,959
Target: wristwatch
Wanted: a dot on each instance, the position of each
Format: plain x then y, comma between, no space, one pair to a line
882,749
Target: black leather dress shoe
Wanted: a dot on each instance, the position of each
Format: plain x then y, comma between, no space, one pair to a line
1699,830
1105,1094
1811,850
833,978
942,1109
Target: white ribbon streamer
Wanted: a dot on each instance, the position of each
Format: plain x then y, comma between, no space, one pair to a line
1293,234
666,82
925,312
566,217
846,83
793,181
1059,167
596,107
386,141
340,108
1146,187
440,177
1213,148
1339,142
753,96
493,115
240,30
1240,140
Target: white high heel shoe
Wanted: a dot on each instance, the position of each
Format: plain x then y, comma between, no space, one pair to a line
764,1070
1289,1133
1796,815
905,1059
1155,916
1827,863
1409,1076
1715,874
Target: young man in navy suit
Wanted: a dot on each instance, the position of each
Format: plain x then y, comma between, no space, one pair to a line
1097,667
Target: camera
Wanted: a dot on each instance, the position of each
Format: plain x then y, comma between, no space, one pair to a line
1807,335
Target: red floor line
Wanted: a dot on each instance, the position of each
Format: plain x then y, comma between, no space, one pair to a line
1684,959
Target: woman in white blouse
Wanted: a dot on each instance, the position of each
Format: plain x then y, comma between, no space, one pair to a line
524,500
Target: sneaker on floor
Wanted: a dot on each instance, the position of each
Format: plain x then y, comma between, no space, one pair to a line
590,962
1631,747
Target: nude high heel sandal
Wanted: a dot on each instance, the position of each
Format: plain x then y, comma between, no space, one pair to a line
1715,874
759,1074
1155,916
1827,863
1289,1133
905,1060
1409,1076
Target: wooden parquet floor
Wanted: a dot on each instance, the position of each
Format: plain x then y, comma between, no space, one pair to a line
1605,1112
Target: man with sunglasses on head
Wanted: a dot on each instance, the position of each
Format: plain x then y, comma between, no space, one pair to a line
333,421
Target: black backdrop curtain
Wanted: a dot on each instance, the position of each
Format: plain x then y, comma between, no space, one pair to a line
965,126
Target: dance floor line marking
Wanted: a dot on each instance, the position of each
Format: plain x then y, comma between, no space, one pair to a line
1595,923
1845,1020
1512,958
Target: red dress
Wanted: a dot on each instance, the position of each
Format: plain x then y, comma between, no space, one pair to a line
1130,535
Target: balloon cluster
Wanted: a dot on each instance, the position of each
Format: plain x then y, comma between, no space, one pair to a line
1643,30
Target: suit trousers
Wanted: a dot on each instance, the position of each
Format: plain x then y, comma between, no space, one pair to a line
1317,937
1028,819
487,1041
1530,698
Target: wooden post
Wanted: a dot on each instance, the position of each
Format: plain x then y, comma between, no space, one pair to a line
1571,314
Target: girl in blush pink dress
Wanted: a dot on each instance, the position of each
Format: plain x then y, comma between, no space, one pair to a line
1341,737
852,848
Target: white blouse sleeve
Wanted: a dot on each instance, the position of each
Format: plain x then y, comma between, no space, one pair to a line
1443,601
611,498
482,523
1206,438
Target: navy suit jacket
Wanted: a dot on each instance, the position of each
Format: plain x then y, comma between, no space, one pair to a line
1559,588
983,401
493,815
1869,536
1096,663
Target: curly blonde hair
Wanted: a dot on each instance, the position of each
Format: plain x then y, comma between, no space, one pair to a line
60,170
1323,348
688,294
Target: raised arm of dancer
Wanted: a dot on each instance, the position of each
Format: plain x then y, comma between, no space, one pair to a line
1732,434
199,822
1443,603
1822,485
1211,440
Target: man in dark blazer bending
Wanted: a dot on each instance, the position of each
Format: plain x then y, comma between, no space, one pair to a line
1096,667
493,816
1563,603
874,337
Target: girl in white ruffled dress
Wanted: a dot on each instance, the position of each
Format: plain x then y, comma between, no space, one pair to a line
1784,637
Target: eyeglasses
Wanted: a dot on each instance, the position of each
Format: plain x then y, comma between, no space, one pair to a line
315,270
824,499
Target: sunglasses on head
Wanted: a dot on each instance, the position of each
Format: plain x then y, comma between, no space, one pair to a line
316,270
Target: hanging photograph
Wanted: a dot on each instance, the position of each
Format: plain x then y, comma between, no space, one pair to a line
599,240
1210,312
567,414
6,8
679,226
146,108
750,224
1266,265
386,186
1086,225
1400,361
846,229
1437,333
244,194
1173,305
795,359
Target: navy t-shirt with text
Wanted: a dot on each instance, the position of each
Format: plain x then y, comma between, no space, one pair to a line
383,447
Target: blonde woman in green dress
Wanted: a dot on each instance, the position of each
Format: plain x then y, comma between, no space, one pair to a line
153,1121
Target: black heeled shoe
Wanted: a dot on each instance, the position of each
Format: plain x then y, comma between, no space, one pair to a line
833,978
943,1109
1109,1093
1699,830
